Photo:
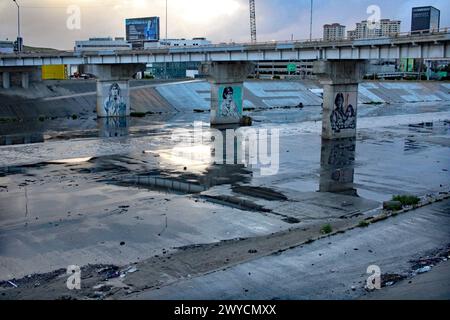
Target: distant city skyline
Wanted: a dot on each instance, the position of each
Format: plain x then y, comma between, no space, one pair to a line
44,21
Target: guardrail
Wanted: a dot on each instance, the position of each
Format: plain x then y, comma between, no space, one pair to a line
314,42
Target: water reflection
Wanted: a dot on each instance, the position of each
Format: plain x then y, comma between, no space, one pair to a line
228,155
8,140
337,166
113,127
197,167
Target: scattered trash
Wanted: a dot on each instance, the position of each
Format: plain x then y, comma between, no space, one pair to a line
389,279
132,270
109,272
13,284
424,270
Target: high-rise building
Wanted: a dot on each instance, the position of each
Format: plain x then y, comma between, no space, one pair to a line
425,19
351,34
385,28
332,32
389,27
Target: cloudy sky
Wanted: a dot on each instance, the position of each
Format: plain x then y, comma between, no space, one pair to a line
44,22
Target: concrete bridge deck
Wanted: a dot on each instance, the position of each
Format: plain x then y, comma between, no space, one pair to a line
428,46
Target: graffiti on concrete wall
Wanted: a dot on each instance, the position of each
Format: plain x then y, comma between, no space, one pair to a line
115,104
230,102
344,115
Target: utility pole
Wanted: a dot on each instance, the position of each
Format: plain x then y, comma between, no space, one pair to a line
253,20
311,21
167,16
19,43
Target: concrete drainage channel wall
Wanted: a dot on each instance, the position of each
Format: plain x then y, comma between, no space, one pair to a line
67,98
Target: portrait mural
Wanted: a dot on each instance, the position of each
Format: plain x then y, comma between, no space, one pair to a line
115,104
344,115
230,102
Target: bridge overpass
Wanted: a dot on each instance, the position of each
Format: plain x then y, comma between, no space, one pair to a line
339,64
434,45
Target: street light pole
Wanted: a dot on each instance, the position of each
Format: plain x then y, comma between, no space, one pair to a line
19,38
165,63
166,17
18,18
311,21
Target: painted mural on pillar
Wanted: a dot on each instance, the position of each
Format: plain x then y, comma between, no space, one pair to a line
344,115
115,104
230,102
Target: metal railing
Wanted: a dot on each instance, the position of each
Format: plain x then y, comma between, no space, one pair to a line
313,42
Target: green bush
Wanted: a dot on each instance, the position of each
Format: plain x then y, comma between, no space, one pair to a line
406,200
393,206
363,224
327,229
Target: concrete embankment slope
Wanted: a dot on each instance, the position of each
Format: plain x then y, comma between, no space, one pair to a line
275,94
66,98
60,99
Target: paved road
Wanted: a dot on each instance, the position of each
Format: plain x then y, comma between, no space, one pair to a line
326,269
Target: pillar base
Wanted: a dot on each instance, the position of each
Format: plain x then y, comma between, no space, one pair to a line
337,169
226,103
227,90
340,79
25,80
113,98
339,118
6,80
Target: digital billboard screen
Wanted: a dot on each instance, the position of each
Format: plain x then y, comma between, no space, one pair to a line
142,29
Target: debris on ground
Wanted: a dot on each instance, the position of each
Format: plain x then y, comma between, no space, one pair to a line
424,270
389,279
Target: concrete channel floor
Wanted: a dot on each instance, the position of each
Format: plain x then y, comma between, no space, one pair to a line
55,214
331,268
434,285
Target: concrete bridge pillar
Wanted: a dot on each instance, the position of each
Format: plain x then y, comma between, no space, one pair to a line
25,80
113,88
337,168
340,80
6,80
227,90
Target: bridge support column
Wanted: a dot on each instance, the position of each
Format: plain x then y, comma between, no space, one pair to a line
340,80
227,90
25,80
113,88
337,169
6,80
113,98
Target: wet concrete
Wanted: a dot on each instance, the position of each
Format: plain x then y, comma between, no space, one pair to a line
76,197
333,268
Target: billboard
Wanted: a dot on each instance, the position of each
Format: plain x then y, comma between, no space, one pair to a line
142,29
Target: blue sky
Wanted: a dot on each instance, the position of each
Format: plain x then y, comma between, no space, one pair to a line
44,21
